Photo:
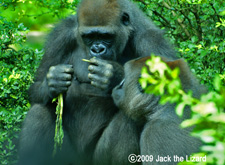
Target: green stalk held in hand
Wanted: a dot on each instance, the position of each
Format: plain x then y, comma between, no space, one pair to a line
58,139
59,134
85,60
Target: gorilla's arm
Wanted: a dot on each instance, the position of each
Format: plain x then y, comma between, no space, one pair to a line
59,46
162,137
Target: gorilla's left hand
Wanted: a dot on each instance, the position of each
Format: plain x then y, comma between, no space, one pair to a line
105,74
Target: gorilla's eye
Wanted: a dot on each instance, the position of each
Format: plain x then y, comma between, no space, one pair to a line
87,40
140,88
121,84
125,19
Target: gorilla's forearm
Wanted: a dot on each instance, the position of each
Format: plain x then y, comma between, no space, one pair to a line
39,92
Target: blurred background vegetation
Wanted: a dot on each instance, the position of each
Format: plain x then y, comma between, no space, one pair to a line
195,27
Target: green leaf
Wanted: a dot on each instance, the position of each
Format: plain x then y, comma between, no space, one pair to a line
217,82
190,122
180,109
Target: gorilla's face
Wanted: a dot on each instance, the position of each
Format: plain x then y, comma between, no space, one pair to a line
103,33
128,95
99,42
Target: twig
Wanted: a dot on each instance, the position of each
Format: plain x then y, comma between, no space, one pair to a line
85,60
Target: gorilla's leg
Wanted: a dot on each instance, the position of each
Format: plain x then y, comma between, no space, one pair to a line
37,139
118,141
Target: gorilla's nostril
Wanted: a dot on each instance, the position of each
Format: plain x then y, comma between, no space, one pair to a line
94,49
101,49
98,49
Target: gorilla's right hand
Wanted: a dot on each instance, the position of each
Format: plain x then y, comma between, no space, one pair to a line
59,78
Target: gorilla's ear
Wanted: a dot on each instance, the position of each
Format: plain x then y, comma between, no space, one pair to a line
185,72
180,63
125,19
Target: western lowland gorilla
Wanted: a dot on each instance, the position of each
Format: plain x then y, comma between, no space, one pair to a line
161,134
108,33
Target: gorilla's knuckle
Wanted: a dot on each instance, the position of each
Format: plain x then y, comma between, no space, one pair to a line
50,75
90,76
105,81
109,66
69,69
90,68
108,73
68,77
93,83
93,60
68,83
52,68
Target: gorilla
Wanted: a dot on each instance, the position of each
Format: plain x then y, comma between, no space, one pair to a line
161,134
108,33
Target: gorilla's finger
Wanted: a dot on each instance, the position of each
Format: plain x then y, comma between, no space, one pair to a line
105,70
96,70
56,84
64,77
97,78
94,61
108,73
64,83
62,68
99,85
59,76
67,68
100,62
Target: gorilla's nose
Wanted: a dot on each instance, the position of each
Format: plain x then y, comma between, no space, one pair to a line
98,49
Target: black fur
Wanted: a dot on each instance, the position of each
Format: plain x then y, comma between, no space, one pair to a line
161,135
88,106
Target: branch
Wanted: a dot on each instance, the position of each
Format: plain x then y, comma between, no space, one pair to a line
166,24
218,17
180,22
199,32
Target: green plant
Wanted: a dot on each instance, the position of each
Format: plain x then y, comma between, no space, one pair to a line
59,134
196,27
18,63
16,73
208,113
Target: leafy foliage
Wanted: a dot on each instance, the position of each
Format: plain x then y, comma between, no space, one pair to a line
196,27
208,113
17,68
18,63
